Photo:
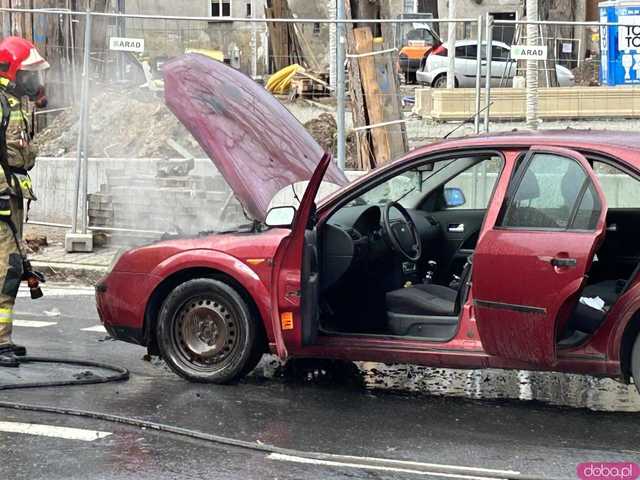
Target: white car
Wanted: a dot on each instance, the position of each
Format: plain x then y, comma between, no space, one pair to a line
433,71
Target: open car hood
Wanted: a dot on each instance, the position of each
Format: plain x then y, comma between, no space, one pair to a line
256,144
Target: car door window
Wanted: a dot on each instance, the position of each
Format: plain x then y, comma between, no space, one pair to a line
469,52
476,184
461,52
553,192
499,54
620,189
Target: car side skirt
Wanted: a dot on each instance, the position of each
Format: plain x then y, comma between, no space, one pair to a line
397,351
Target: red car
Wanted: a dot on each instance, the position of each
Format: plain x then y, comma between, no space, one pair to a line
515,251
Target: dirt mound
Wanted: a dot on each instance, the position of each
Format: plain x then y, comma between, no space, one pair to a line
325,131
587,73
123,123
135,123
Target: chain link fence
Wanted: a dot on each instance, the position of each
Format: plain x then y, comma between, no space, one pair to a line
135,172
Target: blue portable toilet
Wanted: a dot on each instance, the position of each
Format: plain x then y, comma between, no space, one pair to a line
620,46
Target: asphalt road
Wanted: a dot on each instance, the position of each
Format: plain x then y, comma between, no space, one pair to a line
538,425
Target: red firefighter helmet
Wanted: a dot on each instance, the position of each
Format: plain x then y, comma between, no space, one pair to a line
19,54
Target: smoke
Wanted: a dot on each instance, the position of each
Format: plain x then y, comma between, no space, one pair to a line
147,175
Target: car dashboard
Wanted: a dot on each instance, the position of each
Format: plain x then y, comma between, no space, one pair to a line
354,238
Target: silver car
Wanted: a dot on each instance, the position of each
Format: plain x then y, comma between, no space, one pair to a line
433,71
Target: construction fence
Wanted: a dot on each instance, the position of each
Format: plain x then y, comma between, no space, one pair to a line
367,90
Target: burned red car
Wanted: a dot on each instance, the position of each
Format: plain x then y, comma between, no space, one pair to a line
513,251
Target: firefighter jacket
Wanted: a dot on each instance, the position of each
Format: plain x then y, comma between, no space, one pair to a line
21,153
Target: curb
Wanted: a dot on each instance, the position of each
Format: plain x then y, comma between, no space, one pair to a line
66,271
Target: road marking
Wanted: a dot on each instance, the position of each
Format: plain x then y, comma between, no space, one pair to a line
385,468
32,323
59,292
426,465
96,328
51,431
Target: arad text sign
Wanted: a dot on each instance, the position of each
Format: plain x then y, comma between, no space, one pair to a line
529,52
127,44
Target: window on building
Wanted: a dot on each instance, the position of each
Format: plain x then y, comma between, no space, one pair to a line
220,8
248,9
316,29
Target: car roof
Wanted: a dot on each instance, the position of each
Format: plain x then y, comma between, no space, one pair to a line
626,144
464,43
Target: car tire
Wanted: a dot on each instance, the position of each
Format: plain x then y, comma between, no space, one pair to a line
441,81
635,363
206,332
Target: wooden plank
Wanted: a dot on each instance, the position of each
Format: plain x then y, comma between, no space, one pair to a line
358,112
17,27
387,76
6,17
372,93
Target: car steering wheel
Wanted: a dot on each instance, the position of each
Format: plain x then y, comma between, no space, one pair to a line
401,233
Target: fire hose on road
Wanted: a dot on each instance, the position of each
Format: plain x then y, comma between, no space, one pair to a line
119,374
273,452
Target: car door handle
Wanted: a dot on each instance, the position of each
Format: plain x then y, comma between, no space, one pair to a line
456,227
563,262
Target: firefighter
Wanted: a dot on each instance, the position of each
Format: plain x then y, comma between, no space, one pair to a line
21,90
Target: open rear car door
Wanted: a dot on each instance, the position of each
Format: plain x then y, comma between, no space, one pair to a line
529,268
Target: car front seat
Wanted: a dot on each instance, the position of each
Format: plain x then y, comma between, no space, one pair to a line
423,299
408,307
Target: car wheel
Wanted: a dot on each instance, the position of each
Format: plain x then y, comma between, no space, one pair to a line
441,82
635,363
206,332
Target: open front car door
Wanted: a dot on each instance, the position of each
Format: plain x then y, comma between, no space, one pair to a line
295,277
529,268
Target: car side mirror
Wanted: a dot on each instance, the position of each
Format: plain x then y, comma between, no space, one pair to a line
280,217
454,197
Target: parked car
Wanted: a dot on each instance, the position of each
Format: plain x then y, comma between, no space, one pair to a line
414,41
502,251
433,70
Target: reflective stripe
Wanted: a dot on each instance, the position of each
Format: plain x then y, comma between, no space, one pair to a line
18,115
6,315
5,213
25,183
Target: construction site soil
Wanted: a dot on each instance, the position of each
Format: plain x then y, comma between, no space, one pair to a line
135,123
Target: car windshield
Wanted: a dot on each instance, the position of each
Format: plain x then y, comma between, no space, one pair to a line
404,188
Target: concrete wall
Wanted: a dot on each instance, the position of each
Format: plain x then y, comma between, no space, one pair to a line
554,103
54,183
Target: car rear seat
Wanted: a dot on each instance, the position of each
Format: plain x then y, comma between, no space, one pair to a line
587,319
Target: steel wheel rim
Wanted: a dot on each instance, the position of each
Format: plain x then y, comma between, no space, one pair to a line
206,332
441,82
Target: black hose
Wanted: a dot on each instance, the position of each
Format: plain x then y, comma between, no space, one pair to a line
358,462
121,374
